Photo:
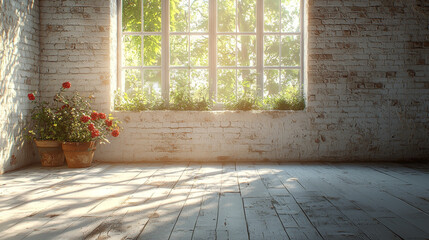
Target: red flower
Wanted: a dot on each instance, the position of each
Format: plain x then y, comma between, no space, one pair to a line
31,96
91,127
94,116
115,133
66,106
109,123
66,85
84,118
102,115
95,133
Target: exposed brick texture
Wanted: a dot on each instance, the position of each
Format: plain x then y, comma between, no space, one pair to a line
367,98
74,44
19,56
367,88
212,136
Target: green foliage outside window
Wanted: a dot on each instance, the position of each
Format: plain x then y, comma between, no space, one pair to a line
189,88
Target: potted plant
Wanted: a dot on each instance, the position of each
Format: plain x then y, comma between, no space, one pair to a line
44,131
82,128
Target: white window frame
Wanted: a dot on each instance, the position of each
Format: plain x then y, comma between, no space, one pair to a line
212,54
261,43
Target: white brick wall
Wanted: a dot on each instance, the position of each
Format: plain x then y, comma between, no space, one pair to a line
19,56
74,43
367,89
368,99
376,50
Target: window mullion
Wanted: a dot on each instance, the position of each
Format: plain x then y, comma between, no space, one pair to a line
236,48
301,29
189,45
212,49
142,44
260,47
280,43
165,49
120,80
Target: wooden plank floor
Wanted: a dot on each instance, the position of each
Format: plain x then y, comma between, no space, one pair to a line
217,201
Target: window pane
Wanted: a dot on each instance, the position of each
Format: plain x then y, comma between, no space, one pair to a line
179,79
199,16
290,15
178,16
189,47
246,51
199,50
179,50
271,50
290,51
226,51
131,16
226,85
152,50
226,15
133,80
200,83
152,83
289,77
271,15
246,81
247,15
132,55
271,82
152,15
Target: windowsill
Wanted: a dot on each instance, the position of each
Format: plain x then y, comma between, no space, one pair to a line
213,117
213,111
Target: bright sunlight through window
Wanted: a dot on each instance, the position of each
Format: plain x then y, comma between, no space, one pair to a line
221,50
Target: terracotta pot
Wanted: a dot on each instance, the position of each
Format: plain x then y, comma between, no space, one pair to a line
78,154
51,154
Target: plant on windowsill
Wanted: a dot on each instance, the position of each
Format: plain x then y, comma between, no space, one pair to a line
289,99
246,102
82,128
137,101
180,100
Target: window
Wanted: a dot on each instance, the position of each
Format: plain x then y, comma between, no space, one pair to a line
223,49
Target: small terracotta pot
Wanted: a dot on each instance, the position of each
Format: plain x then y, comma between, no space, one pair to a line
51,154
79,154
